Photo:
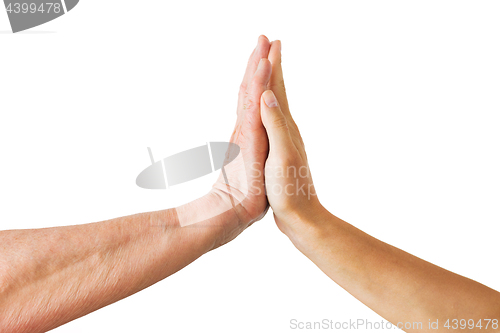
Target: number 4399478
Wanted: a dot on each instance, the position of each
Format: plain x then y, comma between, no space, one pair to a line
32,8
471,324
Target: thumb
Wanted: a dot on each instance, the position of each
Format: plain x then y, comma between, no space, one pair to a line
274,121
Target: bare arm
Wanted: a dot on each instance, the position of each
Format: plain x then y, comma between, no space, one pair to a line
397,285
51,276
54,275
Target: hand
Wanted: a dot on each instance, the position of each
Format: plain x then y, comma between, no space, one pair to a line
289,184
240,186
398,286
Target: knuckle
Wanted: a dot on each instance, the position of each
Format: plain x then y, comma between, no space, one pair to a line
280,122
249,103
257,81
243,87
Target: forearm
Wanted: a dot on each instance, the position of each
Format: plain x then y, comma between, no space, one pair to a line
395,284
51,276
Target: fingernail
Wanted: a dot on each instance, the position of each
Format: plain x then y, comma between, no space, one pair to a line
270,99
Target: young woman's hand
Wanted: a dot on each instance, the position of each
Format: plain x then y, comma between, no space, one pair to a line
289,184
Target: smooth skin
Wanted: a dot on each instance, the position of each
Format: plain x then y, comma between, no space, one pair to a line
397,285
51,276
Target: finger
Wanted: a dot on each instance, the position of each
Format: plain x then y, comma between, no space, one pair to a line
250,109
277,84
275,123
259,81
261,51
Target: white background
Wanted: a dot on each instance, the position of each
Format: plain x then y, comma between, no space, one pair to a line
398,103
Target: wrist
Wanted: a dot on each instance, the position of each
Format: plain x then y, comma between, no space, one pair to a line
210,219
306,228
